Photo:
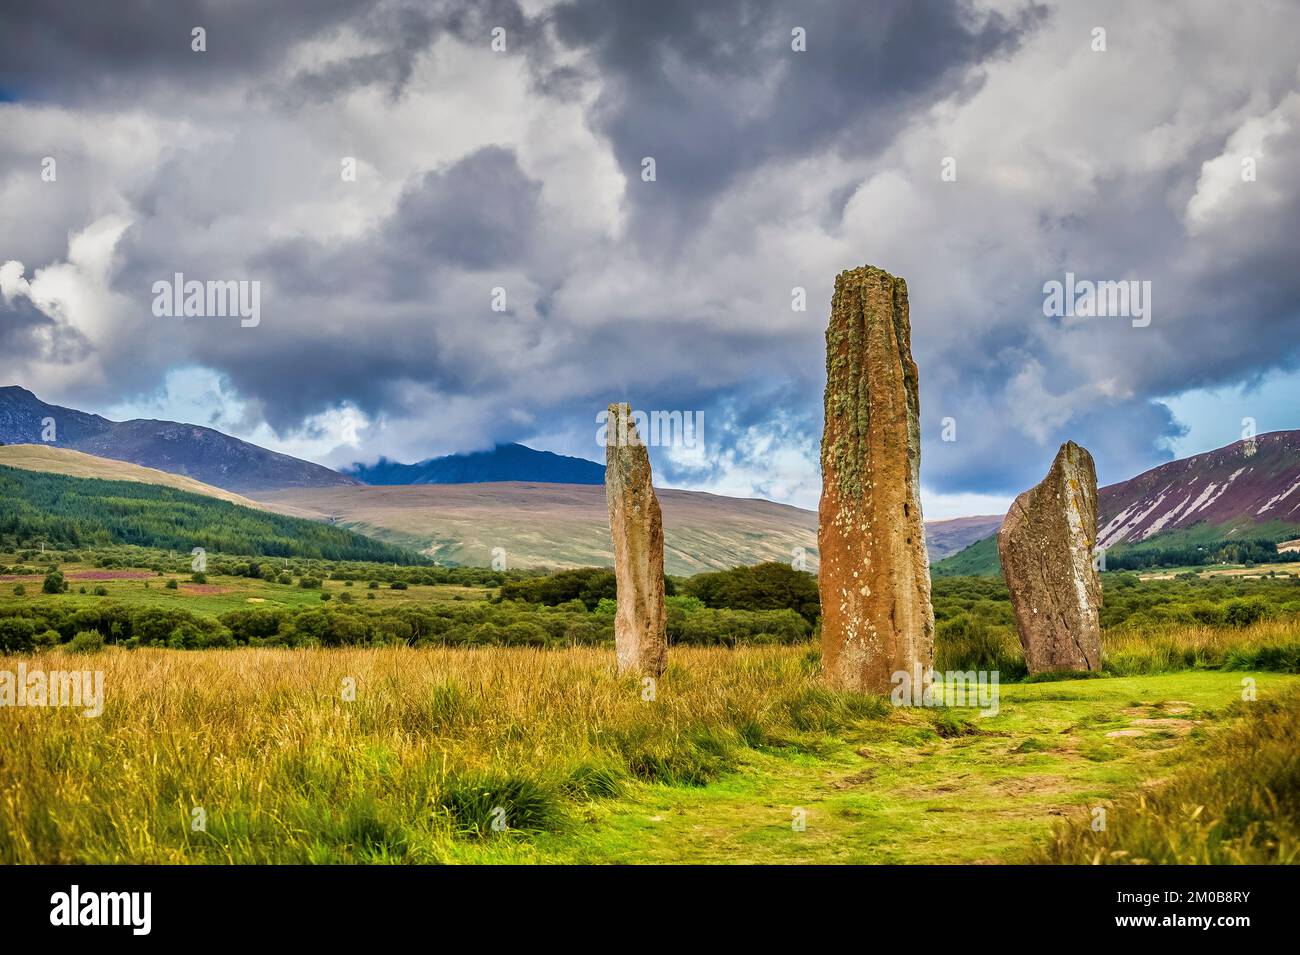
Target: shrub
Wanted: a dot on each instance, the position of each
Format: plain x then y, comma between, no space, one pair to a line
100,591
54,583
963,643
171,584
1242,613
17,635
199,577
87,641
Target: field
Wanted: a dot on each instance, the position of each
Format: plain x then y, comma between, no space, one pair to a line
222,594
581,767
371,716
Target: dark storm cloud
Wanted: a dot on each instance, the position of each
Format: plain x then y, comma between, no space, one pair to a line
712,90
344,320
69,51
24,329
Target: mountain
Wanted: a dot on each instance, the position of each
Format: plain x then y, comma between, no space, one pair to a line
557,525
567,525
1245,491
42,457
77,512
186,449
947,537
505,462
1248,489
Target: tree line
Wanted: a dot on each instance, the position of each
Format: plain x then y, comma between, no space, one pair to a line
72,512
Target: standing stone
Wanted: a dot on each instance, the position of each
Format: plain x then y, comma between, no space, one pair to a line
636,525
1046,546
875,574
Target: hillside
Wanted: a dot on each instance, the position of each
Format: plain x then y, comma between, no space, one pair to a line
1243,492
567,525
558,525
1247,489
183,449
42,457
76,512
505,462
948,537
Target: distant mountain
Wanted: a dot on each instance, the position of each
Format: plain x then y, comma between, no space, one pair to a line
71,511
505,462
191,450
947,537
42,457
567,525
1247,490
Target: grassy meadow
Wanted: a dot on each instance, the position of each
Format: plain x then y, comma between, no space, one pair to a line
583,767
426,752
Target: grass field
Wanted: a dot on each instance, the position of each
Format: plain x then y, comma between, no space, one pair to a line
219,595
580,765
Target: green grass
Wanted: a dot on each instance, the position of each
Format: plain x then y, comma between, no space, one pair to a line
581,767
1219,809
225,593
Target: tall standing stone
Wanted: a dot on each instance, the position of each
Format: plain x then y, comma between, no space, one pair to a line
875,574
636,525
1046,546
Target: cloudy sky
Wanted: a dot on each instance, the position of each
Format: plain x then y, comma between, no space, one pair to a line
522,169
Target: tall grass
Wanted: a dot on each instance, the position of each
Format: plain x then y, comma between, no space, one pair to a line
1271,645
436,746
1220,809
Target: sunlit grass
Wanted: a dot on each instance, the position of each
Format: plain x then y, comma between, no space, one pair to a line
546,755
1219,809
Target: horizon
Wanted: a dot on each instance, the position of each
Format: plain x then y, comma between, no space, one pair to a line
347,469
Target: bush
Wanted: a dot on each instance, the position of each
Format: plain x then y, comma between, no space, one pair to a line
397,585
17,635
87,641
100,591
54,583
1242,613
20,590
171,584
199,577
962,643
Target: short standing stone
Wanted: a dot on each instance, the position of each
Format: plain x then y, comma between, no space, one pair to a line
636,526
874,574
1046,546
